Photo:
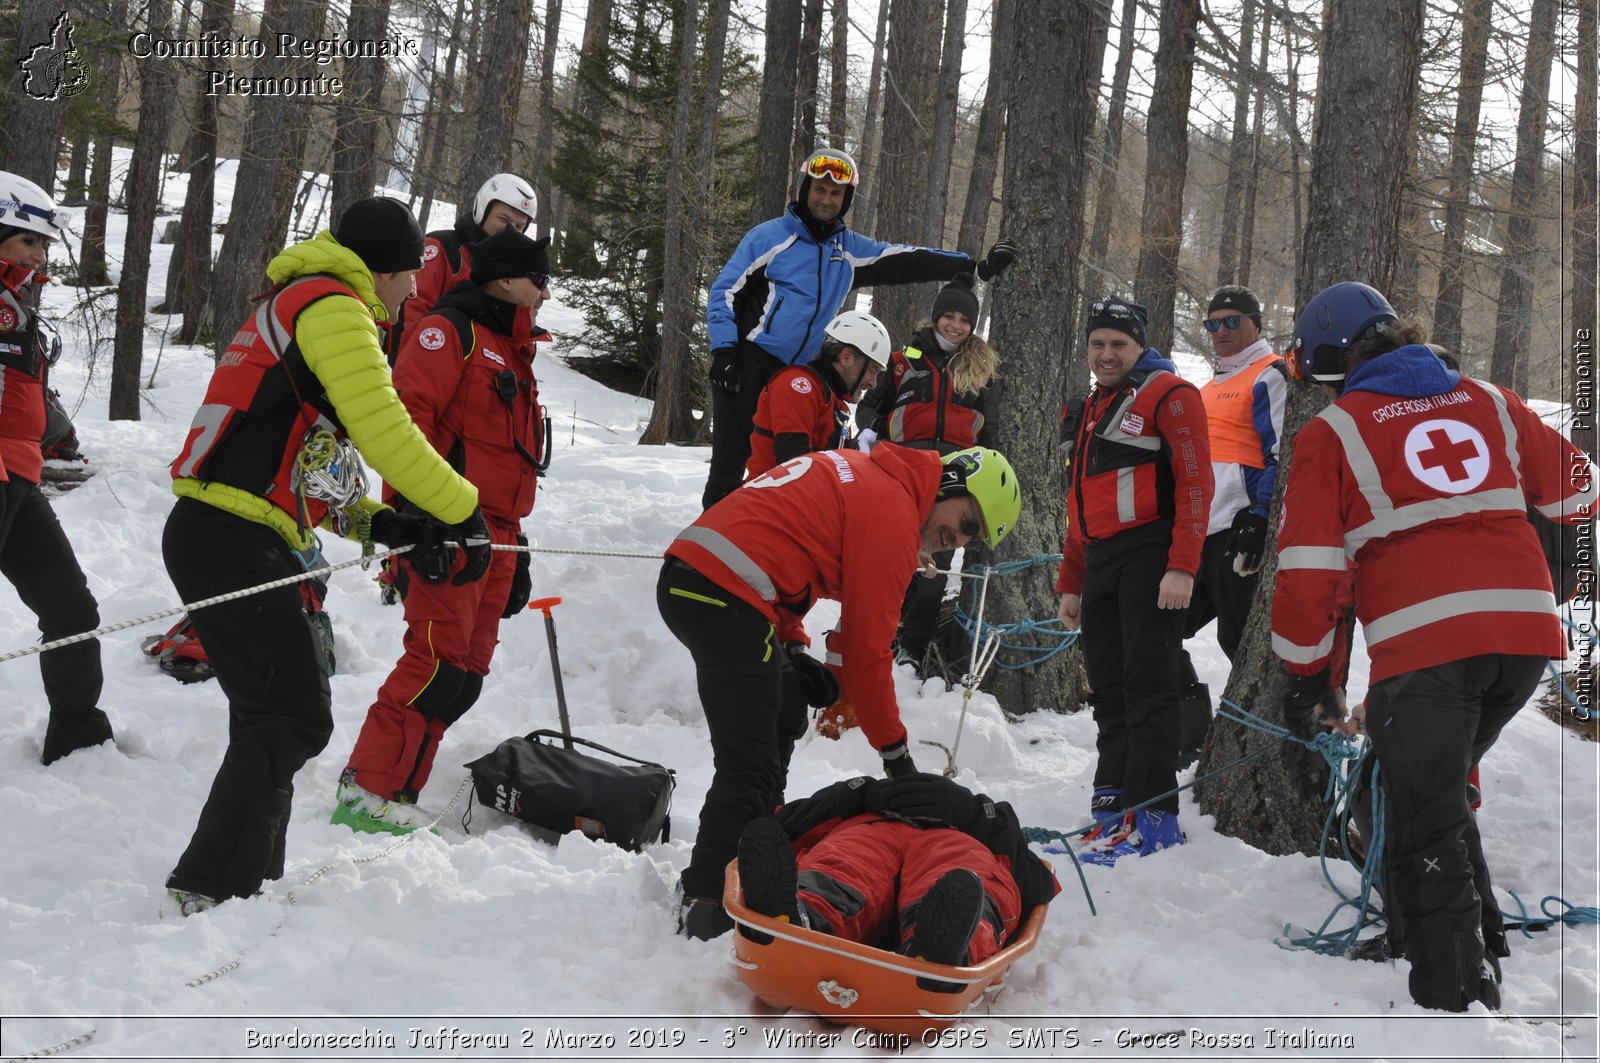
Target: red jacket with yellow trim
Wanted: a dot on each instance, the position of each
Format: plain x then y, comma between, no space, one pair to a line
480,407
1415,484
837,524
1140,453
798,411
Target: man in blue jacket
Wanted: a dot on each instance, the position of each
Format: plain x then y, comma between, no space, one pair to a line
784,283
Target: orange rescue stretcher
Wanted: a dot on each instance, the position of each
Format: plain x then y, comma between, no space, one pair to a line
848,982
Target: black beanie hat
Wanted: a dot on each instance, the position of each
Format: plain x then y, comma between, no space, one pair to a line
957,296
509,253
1116,312
1234,297
383,232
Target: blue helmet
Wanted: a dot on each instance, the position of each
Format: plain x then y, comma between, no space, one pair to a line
1331,324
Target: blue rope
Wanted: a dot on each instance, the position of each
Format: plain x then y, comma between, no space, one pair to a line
1050,628
1572,916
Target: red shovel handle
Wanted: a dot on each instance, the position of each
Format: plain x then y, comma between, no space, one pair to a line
544,605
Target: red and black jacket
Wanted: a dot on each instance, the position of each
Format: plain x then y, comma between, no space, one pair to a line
917,405
800,410
1139,454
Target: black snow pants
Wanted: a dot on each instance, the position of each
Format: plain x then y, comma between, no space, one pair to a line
37,558
1428,728
733,417
755,710
1131,653
268,663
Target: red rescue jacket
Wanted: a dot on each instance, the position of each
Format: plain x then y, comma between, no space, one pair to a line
446,262
23,368
916,403
1139,454
837,524
478,403
254,418
1415,485
798,411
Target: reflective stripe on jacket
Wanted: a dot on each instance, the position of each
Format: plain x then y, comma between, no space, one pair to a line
1421,499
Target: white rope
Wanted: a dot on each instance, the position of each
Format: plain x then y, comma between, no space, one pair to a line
364,561
983,654
56,1050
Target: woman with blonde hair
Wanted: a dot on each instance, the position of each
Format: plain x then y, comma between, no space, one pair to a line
934,397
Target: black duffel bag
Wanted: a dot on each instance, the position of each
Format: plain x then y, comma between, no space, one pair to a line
540,781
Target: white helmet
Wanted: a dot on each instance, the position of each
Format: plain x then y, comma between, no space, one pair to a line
859,329
505,188
24,205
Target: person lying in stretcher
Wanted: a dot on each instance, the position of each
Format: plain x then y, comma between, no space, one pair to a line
917,865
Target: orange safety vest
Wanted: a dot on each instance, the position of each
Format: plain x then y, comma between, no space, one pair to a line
1229,415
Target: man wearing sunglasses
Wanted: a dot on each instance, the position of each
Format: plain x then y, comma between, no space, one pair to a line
1244,414
504,201
786,280
465,375
1138,494
845,525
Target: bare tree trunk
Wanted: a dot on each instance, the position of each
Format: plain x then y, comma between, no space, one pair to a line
775,122
912,70
1295,193
1509,362
498,79
1476,16
191,258
805,123
1166,166
1581,383
944,120
986,142
1105,190
142,194
672,419
92,270
36,93
1358,170
77,172
871,156
544,146
1238,156
1050,115
435,139
361,114
1247,223
578,239
268,176
838,75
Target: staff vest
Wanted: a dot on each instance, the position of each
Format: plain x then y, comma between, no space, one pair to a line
1230,415
262,403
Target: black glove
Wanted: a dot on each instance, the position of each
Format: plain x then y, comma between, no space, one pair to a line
1247,542
995,262
1310,703
429,556
923,796
822,689
897,762
472,536
725,368
521,582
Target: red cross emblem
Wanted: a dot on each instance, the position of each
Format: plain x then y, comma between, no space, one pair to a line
1448,456
1451,456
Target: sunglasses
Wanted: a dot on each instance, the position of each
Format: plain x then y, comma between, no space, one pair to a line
1215,324
540,280
971,528
839,171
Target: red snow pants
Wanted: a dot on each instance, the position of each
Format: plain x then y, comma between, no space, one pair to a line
451,633
865,877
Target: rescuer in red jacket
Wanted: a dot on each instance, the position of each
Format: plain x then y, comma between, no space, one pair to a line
918,865
504,201
466,377
1138,497
739,581
1407,501
35,554
805,407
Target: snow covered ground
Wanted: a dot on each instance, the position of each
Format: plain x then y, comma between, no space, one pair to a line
491,933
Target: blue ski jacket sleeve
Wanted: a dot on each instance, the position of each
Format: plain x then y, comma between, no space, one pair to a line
782,287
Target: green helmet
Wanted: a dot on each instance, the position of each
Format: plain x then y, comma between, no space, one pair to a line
987,476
